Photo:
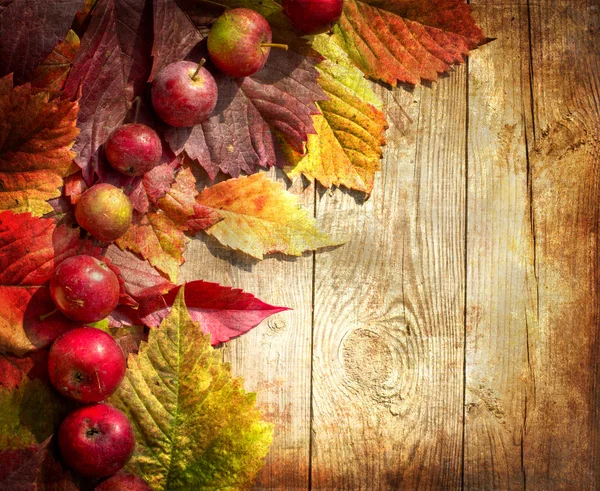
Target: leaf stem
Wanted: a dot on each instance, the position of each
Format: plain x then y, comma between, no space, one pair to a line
202,61
274,45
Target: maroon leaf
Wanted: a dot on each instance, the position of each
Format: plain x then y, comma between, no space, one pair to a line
223,312
250,112
14,369
135,33
19,468
98,72
174,35
29,31
140,279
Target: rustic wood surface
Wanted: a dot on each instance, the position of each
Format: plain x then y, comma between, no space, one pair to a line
452,343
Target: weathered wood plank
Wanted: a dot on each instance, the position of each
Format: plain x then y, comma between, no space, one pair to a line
561,446
275,357
501,292
388,333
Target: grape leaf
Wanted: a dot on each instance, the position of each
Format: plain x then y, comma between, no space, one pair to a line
29,31
109,65
156,238
52,73
259,217
36,136
20,468
174,35
407,40
196,427
222,312
240,135
140,279
346,150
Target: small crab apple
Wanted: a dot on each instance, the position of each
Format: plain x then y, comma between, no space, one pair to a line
104,211
133,149
239,42
86,364
313,16
84,288
123,482
96,440
184,94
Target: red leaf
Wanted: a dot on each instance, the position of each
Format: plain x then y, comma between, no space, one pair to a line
52,73
20,468
14,369
158,181
140,279
223,312
174,35
241,134
203,218
405,41
75,186
29,31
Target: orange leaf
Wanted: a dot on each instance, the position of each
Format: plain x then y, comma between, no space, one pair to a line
259,217
407,41
52,73
36,136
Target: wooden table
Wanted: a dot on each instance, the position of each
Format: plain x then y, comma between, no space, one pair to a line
453,341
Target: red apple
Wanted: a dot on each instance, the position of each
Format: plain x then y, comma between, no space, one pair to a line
86,365
184,94
133,149
123,482
96,441
313,16
84,288
104,211
239,42
42,331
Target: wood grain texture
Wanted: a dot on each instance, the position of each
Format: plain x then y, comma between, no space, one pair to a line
275,357
388,331
501,283
561,449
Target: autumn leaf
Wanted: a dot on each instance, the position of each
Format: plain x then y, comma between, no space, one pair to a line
240,135
31,247
156,238
196,427
222,312
346,150
259,217
36,136
20,468
52,73
407,41
29,31
111,62
14,369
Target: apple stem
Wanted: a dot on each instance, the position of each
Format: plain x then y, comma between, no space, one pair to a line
202,61
274,45
45,316
136,101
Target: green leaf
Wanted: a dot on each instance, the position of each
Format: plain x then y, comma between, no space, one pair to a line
196,427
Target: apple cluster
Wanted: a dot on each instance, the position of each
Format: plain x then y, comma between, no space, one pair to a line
86,365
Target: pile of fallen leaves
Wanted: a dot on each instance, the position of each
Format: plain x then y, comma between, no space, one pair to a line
72,73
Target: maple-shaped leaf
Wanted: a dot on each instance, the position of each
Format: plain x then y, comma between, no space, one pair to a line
260,217
407,40
29,31
36,136
222,312
196,427
346,150
29,414
112,62
20,468
139,278
250,111
157,238
52,73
